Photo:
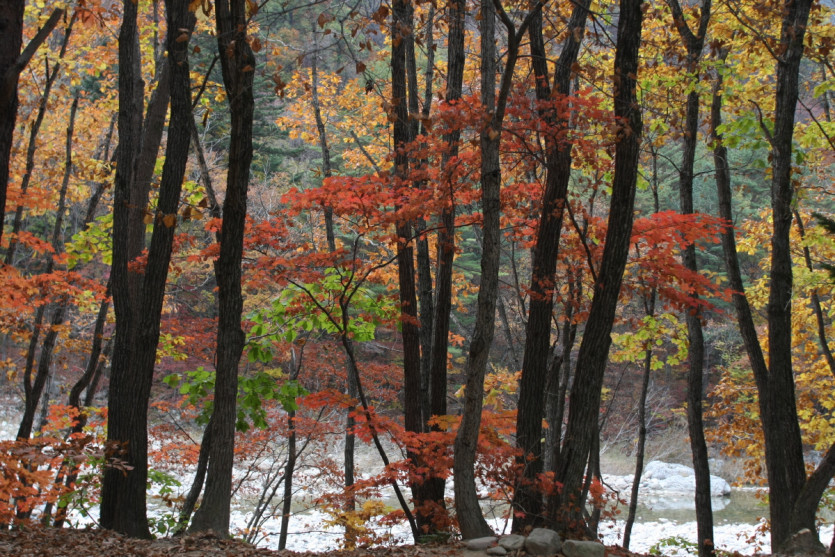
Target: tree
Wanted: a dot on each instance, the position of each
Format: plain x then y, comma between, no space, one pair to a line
527,502
470,519
594,348
123,506
238,65
12,62
694,44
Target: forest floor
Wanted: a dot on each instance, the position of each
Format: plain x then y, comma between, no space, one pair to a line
52,542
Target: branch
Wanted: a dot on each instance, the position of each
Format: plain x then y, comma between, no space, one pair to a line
36,42
817,123
763,127
366,153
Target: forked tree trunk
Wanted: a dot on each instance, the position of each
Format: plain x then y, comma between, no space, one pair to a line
527,501
470,518
584,404
12,63
123,506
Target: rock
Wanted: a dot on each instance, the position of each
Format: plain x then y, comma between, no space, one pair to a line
577,548
479,544
496,550
512,542
542,541
665,478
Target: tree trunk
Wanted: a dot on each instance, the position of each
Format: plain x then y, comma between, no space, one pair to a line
649,307
470,519
237,62
123,505
527,501
34,389
694,44
12,62
401,34
123,494
34,130
786,470
584,405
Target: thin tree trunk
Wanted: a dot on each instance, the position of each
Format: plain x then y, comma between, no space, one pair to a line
470,518
34,130
34,389
584,406
694,44
527,501
12,63
649,307
237,63
291,459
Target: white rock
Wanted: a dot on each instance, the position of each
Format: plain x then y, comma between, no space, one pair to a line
663,477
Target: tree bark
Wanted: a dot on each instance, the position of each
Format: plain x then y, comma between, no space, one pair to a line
33,389
694,44
34,130
470,519
786,470
123,505
123,495
12,62
584,404
527,501
237,63
401,32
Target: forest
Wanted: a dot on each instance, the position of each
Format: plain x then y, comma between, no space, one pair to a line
496,241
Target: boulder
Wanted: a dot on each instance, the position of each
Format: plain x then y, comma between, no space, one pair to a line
542,541
678,478
577,548
512,542
480,544
662,478
496,550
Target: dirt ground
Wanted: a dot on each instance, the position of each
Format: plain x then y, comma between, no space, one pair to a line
51,542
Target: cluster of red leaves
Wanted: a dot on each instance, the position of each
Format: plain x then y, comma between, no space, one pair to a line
658,241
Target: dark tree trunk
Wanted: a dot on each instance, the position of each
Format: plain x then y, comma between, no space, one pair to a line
470,519
34,130
584,404
642,438
292,455
123,505
123,494
649,308
401,32
11,31
527,501
12,62
238,63
694,44
786,470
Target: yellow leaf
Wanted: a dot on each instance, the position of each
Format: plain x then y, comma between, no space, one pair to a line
169,220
